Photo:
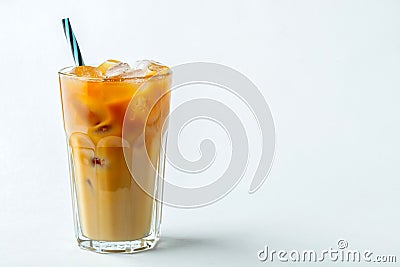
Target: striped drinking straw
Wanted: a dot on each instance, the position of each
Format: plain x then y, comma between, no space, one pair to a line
69,34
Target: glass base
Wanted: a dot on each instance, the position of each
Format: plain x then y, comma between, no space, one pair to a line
118,246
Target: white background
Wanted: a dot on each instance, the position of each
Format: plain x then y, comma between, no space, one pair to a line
330,71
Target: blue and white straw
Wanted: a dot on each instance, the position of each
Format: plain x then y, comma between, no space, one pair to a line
69,34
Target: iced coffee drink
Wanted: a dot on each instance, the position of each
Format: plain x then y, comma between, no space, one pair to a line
114,119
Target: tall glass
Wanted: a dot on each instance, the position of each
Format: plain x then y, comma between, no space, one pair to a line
106,121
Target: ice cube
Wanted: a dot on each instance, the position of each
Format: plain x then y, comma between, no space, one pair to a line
157,67
138,108
132,73
150,67
87,72
117,70
141,65
103,67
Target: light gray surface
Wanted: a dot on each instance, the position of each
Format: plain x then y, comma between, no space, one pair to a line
328,69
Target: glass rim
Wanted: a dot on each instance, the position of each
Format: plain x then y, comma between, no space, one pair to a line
63,72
